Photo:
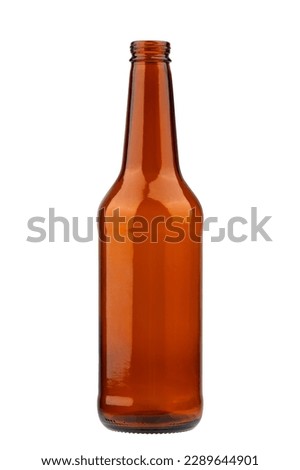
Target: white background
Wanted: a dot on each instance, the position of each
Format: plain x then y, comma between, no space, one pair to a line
63,89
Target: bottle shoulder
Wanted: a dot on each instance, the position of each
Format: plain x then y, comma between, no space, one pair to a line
167,193
191,196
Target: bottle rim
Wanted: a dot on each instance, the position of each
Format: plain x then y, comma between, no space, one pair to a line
150,50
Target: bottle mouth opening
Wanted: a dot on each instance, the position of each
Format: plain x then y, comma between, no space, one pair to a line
150,51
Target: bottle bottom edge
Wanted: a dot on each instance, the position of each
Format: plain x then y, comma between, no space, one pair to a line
149,424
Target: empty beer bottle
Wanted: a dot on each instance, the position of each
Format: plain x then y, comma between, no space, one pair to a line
150,257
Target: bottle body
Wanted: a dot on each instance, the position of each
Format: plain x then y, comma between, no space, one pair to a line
150,227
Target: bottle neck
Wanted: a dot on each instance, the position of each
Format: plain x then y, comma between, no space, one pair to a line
150,138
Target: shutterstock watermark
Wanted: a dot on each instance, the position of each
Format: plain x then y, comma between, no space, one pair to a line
139,229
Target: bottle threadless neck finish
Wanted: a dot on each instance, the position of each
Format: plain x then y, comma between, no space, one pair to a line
150,51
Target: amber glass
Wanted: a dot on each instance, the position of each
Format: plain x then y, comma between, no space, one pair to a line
150,261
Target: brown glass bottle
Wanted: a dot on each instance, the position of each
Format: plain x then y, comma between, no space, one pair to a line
150,257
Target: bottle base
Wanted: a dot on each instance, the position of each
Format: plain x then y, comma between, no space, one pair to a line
149,424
